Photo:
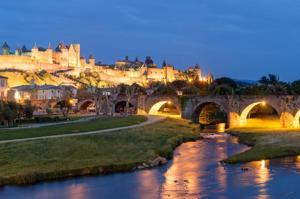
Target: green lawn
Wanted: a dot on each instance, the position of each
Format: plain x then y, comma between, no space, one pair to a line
33,161
266,143
91,125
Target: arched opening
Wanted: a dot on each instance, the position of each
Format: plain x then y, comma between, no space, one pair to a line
210,115
296,119
260,114
164,108
121,107
87,106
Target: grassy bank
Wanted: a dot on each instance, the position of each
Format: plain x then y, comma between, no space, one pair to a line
91,125
34,161
266,143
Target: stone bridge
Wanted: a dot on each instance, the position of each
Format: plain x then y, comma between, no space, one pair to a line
238,107
146,104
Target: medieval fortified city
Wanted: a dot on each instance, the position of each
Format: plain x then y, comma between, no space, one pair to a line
149,100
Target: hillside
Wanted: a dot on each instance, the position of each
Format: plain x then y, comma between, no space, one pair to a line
17,78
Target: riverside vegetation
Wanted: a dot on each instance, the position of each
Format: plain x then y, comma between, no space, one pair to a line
266,143
119,151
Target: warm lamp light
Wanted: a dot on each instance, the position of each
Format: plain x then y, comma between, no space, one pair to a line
17,96
263,103
71,101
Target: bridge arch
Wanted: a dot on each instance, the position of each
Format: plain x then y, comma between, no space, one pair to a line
83,105
198,109
245,111
152,104
296,119
120,106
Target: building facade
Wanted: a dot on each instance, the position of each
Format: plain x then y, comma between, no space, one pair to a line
3,87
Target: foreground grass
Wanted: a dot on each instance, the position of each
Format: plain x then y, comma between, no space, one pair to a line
91,125
34,161
266,143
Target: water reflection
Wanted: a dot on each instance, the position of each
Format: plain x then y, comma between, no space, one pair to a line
77,191
195,172
181,179
145,180
262,176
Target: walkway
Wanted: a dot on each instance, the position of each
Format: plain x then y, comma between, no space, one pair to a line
27,126
151,120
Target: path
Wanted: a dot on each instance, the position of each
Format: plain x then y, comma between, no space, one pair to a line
151,119
27,126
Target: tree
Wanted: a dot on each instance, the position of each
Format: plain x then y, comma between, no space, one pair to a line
115,91
191,90
179,84
295,86
167,89
28,109
271,79
65,107
130,92
272,85
223,86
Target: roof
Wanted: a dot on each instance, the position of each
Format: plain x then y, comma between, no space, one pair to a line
41,49
30,87
60,46
5,46
3,77
25,50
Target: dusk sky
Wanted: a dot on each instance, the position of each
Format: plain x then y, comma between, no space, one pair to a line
243,39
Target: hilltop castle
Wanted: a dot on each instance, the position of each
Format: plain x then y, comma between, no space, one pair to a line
68,58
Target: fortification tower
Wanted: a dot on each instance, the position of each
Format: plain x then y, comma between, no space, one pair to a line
5,49
92,60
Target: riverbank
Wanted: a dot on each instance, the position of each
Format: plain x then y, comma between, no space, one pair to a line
95,124
266,143
119,151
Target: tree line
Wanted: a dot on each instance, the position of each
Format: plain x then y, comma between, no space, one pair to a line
11,112
266,85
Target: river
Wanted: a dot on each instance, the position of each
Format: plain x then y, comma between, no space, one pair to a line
195,172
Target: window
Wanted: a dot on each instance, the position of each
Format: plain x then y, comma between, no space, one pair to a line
2,82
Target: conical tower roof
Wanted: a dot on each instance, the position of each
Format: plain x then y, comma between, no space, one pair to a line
5,45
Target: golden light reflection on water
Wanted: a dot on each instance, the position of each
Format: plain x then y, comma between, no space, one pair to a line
148,179
77,191
262,176
182,178
221,174
297,163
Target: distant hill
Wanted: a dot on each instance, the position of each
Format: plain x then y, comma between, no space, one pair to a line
245,82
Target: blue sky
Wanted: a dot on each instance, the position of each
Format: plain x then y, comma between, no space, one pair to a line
243,39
